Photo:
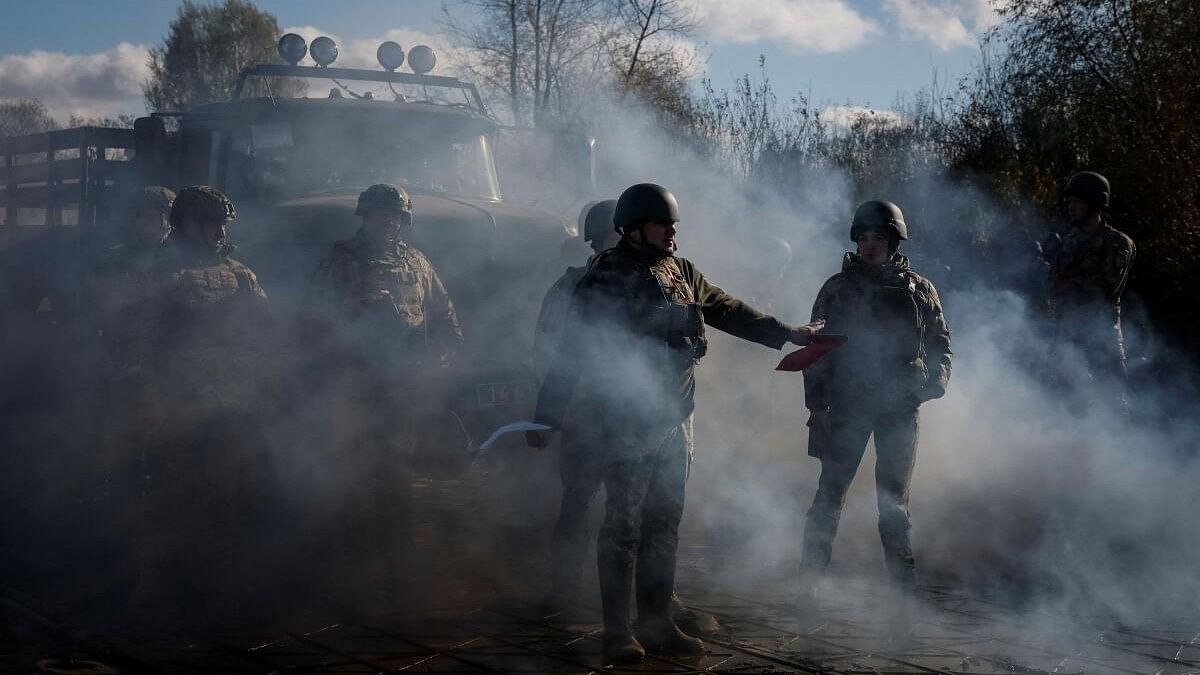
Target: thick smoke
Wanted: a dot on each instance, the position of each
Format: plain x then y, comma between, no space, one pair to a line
1031,482
1042,492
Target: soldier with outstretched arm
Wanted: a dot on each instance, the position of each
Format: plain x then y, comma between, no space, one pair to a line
634,336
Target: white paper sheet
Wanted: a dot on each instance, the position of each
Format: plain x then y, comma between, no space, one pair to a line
511,428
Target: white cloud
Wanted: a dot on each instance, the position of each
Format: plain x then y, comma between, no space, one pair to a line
360,52
107,83
803,25
845,116
947,24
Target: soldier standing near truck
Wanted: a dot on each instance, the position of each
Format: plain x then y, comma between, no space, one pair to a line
635,334
383,323
201,339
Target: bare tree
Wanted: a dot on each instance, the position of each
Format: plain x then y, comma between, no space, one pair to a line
531,52
646,27
495,43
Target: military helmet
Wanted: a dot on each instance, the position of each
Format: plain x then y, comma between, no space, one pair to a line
582,221
202,203
383,197
879,215
1089,186
154,198
599,220
645,203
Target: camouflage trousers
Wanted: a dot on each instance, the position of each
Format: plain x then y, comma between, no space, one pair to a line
638,540
840,454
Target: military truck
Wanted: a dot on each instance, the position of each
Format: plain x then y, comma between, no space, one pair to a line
293,148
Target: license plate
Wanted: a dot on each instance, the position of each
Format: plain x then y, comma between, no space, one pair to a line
493,394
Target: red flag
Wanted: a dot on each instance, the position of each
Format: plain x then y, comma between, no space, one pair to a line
806,356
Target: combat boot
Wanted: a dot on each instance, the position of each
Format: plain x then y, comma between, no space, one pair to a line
691,621
664,637
902,569
622,648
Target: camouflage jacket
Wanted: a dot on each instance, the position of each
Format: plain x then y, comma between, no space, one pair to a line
635,331
389,303
1090,273
547,333
898,352
199,336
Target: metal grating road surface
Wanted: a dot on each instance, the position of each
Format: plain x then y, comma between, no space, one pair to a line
945,632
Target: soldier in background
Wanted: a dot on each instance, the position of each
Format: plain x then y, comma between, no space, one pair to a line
897,358
200,338
122,403
635,334
597,231
1088,275
579,465
381,324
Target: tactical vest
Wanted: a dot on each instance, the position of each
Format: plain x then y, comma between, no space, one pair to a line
677,319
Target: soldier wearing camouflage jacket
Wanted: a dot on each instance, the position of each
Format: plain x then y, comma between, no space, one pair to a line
626,369
896,358
1088,277
203,335
381,324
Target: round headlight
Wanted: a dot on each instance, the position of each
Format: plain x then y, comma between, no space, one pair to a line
324,51
292,48
390,55
421,59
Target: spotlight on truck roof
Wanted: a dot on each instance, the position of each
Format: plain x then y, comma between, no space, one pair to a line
421,59
390,55
324,51
292,48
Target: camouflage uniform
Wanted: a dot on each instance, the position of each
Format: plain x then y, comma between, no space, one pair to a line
897,357
199,343
635,334
384,319
122,399
1087,280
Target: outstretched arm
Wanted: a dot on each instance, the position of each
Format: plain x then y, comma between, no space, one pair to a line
726,313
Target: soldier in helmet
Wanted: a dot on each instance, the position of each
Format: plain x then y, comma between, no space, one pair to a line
384,323
635,334
202,336
596,229
123,404
1088,277
579,466
897,358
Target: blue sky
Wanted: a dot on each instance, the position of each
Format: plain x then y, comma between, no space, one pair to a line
88,57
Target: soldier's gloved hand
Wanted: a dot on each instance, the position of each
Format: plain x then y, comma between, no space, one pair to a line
538,440
802,335
820,421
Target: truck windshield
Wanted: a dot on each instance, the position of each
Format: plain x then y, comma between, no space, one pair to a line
306,155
